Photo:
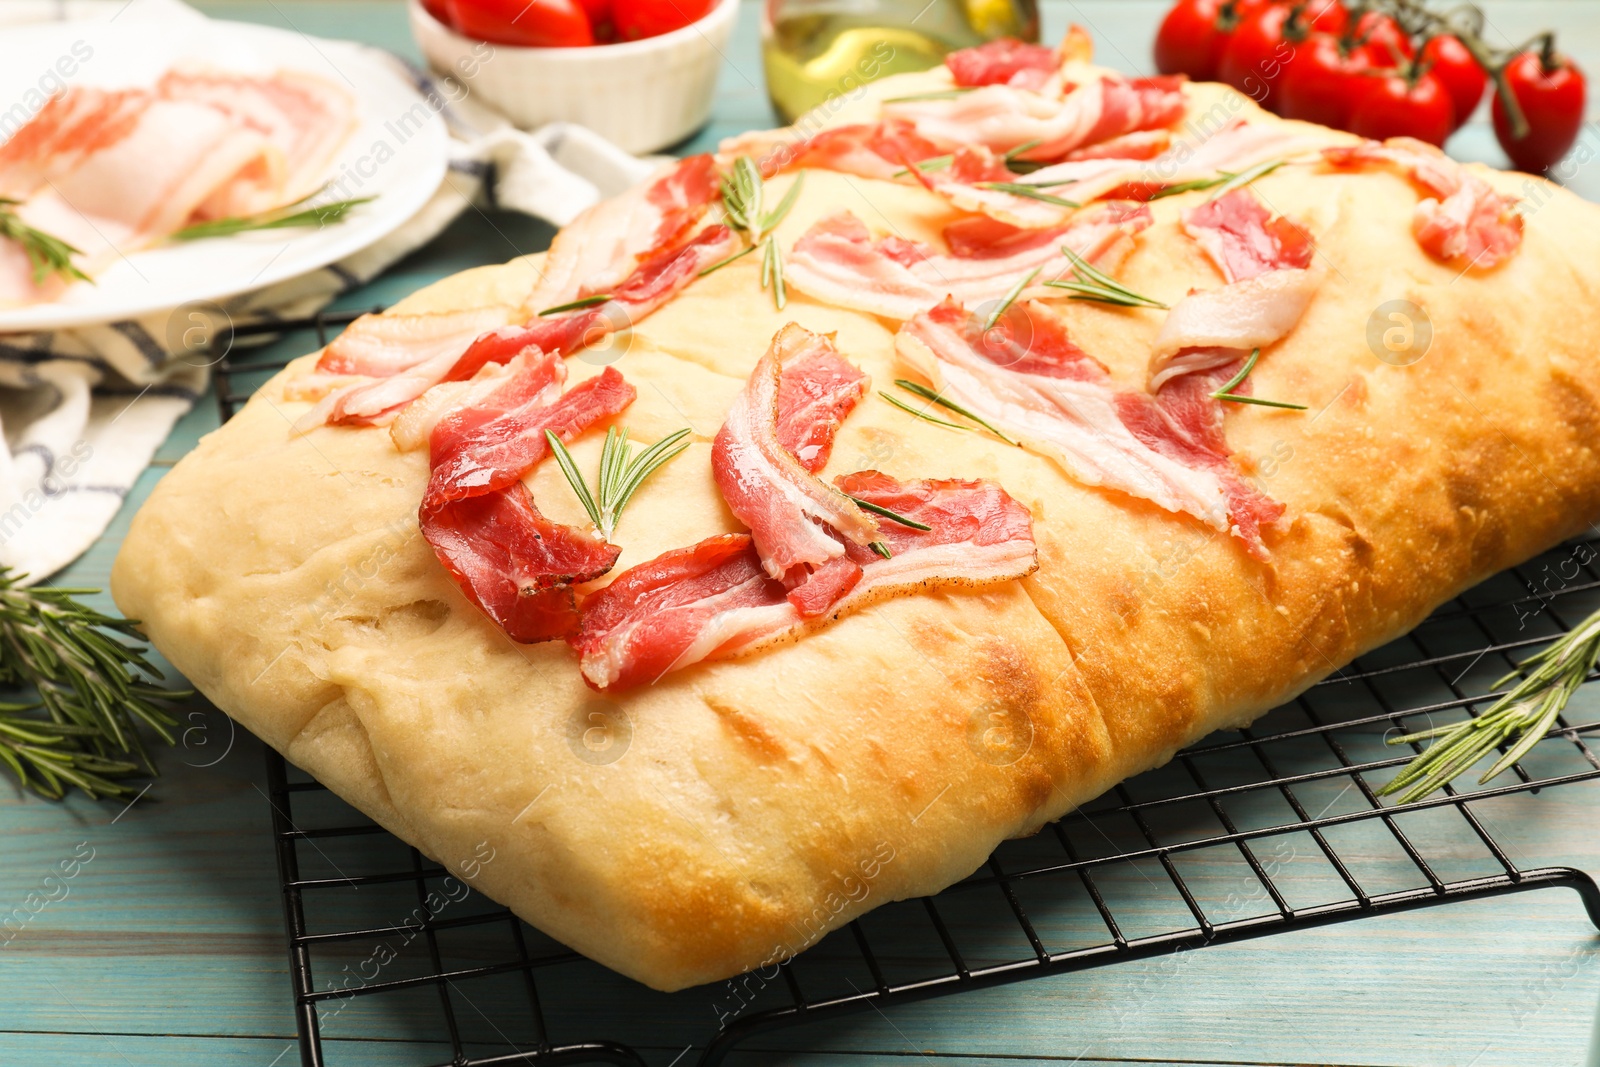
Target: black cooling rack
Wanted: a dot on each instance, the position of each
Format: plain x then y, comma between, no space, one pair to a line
1254,831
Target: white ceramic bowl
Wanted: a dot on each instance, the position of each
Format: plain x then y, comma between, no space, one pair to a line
639,95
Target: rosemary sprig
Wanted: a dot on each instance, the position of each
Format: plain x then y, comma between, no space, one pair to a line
1025,146
929,164
621,473
1226,392
46,254
1032,192
928,394
1094,284
903,406
282,218
879,509
1010,298
95,691
1522,716
1227,179
719,264
586,302
742,197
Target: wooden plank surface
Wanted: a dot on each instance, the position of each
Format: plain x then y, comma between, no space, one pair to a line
165,945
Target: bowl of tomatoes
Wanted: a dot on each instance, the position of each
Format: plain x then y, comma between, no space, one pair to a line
641,73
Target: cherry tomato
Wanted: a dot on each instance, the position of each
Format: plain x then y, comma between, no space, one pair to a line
1325,82
1194,34
536,24
635,19
1382,39
1552,99
1397,106
598,13
1324,16
1449,61
1258,53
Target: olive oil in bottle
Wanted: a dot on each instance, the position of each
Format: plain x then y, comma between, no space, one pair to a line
817,50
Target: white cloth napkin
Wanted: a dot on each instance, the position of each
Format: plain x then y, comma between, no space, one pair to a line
83,411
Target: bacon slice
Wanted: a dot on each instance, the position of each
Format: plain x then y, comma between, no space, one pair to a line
1001,117
1006,61
837,261
1244,240
1027,377
601,247
869,150
815,393
713,600
492,445
378,345
511,561
765,486
515,564
1234,148
1463,219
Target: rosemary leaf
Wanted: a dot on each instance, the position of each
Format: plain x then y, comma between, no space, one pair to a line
879,509
1226,392
586,302
47,255
1032,192
774,257
282,218
1523,715
931,163
574,479
94,689
776,215
882,549
1227,179
1021,148
1095,284
928,394
719,264
1010,298
903,406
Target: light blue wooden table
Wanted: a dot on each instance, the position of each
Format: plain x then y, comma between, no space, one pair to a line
167,946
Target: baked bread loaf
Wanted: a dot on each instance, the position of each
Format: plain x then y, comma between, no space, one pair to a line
729,814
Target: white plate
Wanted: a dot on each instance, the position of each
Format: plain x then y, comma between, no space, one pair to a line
398,153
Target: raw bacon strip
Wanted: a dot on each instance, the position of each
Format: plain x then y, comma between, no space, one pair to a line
1233,148
815,394
508,559
490,446
412,428
303,117
1027,377
1000,117
838,262
1243,239
1184,423
651,284
377,346
1006,61
1245,315
1465,218
601,247
869,150
515,564
713,600
443,358
765,486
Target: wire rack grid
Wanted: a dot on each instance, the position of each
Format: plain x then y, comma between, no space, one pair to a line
1251,832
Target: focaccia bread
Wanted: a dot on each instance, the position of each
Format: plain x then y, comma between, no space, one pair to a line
727,815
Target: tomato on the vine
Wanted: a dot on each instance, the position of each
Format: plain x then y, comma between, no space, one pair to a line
1325,82
1449,61
1324,16
1382,40
1194,34
635,19
1395,105
520,23
1550,91
1258,53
